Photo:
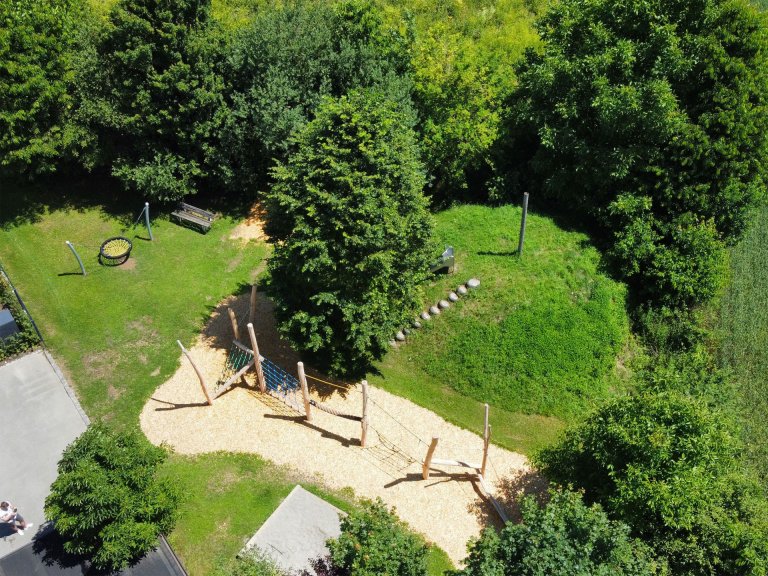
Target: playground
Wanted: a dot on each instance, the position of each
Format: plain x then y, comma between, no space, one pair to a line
448,508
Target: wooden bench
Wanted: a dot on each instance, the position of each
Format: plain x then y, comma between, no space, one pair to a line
188,214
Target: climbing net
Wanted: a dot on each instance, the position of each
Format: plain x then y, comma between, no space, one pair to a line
239,360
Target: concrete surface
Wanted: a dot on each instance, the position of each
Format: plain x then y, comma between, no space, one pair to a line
296,532
40,418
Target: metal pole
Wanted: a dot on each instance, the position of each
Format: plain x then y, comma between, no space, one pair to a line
72,247
522,226
146,219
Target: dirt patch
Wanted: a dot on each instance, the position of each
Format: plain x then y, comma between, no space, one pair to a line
447,508
113,392
252,228
98,365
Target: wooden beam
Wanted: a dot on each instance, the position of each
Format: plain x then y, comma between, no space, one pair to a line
428,459
233,319
364,419
257,356
304,389
499,508
252,309
197,371
231,380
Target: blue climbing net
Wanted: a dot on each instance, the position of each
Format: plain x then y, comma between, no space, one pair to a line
278,380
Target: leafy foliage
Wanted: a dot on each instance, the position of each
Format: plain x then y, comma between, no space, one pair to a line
351,231
26,338
35,70
147,91
373,542
651,115
251,563
106,502
563,538
282,66
663,463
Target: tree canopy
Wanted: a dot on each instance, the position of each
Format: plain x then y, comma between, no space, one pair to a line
652,116
107,502
351,231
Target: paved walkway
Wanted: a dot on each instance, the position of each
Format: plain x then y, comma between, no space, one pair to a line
40,419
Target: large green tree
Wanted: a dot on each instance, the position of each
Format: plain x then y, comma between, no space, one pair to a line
652,116
563,538
107,502
668,466
147,93
35,74
351,231
281,66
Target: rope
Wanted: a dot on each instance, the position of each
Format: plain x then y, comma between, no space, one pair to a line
346,388
397,421
330,410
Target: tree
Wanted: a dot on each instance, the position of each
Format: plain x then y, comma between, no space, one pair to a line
147,91
107,502
351,232
35,73
373,542
665,465
652,116
563,538
282,66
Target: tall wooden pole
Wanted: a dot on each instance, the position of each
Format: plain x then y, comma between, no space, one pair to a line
304,390
428,459
364,420
257,357
486,441
522,226
252,310
197,371
235,327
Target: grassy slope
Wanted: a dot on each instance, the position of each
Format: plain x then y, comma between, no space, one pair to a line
744,335
538,340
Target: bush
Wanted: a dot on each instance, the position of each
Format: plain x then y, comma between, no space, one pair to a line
26,338
351,232
562,538
664,464
653,117
107,503
251,563
373,542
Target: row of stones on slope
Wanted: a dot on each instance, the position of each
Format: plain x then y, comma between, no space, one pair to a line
434,310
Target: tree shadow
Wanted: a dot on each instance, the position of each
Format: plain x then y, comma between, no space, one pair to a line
510,490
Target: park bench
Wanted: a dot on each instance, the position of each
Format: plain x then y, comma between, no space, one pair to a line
188,214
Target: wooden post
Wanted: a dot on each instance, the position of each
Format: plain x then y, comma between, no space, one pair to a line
364,420
197,371
522,226
257,357
233,319
486,441
428,459
304,389
252,311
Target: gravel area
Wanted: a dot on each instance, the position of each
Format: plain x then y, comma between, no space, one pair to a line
447,508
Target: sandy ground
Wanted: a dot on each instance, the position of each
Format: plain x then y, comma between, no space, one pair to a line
447,508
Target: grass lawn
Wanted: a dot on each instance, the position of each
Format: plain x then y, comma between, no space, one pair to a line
744,335
539,339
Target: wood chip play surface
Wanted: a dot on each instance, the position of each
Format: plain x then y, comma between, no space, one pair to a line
447,508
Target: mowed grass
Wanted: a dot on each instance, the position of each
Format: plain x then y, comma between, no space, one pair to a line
114,330
744,336
228,495
540,340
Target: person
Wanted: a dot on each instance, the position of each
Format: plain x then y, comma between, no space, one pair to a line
10,515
